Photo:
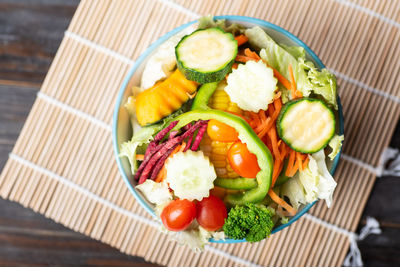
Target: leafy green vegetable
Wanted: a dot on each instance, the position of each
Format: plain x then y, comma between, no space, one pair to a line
251,221
336,145
209,22
296,51
144,136
308,78
320,82
315,182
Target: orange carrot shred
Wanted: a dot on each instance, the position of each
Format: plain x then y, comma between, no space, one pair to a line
251,54
139,157
241,39
292,82
290,163
305,163
281,202
273,137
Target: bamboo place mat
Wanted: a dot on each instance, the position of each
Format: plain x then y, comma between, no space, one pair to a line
63,165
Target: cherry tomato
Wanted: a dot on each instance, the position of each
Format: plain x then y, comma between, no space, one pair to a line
178,214
242,161
211,213
219,131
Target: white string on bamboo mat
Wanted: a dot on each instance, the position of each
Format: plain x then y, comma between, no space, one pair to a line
74,111
99,48
353,258
105,202
369,12
180,8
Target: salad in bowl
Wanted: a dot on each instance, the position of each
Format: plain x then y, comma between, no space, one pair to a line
226,129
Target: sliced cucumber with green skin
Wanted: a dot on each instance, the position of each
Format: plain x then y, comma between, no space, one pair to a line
206,56
306,125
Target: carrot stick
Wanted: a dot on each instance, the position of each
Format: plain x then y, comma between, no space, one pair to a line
278,165
295,92
281,79
274,141
290,163
243,59
305,163
241,39
262,116
251,54
299,160
281,202
139,157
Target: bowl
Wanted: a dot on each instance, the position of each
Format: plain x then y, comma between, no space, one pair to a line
122,131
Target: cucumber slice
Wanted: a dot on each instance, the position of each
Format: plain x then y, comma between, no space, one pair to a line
306,125
206,56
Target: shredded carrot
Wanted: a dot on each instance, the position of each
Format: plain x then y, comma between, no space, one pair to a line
274,141
243,59
163,172
263,118
241,39
140,157
251,54
299,161
305,163
263,124
295,92
281,202
290,165
235,65
276,171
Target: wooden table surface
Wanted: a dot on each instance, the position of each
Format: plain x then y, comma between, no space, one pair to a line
30,33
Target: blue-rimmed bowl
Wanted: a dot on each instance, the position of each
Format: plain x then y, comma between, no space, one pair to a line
122,130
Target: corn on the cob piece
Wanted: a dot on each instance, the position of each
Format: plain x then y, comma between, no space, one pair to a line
217,151
220,100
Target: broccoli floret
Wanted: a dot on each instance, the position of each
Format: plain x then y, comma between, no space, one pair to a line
253,222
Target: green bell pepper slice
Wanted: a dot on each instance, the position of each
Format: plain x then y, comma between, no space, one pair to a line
239,183
254,145
203,95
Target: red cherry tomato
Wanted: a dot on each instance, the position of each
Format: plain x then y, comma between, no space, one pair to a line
242,161
219,131
211,213
178,214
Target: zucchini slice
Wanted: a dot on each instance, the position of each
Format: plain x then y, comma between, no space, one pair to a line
306,125
206,56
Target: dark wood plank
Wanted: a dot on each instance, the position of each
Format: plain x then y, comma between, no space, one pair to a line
30,33
30,239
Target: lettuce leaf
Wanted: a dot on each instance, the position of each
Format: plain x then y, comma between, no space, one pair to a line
320,82
296,51
209,22
308,78
335,144
315,182
143,136
156,193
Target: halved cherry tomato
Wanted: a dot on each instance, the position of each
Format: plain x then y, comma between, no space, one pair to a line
178,214
242,161
211,213
219,131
